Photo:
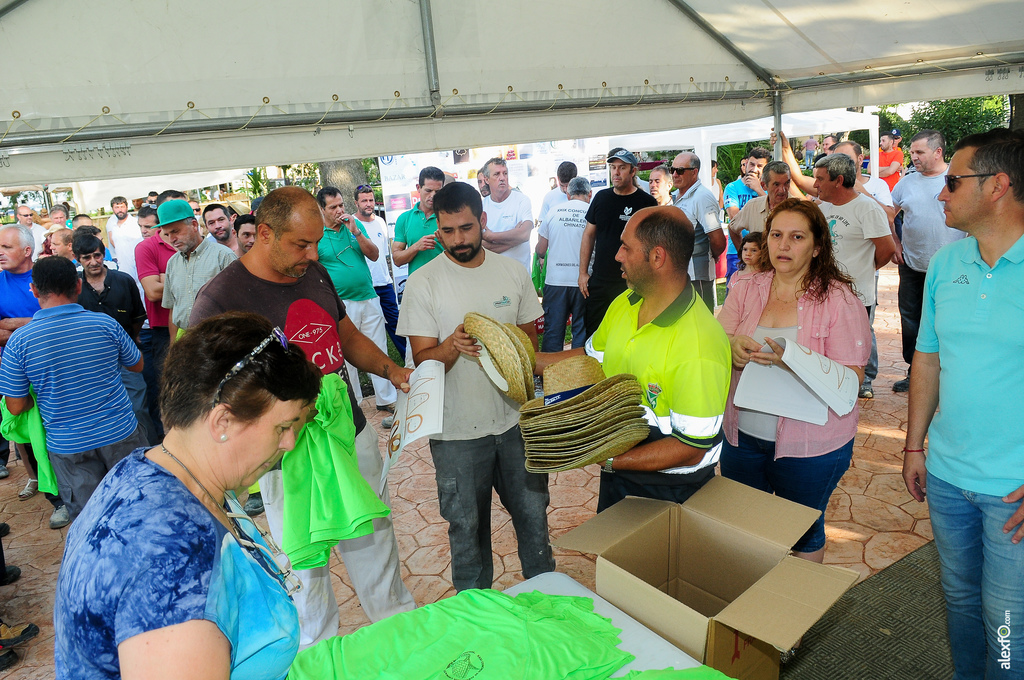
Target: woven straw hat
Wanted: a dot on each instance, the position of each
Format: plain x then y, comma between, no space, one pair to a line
572,373
525,355
504,353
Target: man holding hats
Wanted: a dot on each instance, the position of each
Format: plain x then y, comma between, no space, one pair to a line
661,333
200,260
480,447
609,211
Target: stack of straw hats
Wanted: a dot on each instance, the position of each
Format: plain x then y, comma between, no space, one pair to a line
511,350
583,418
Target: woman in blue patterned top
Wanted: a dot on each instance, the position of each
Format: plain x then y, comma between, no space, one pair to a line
163,574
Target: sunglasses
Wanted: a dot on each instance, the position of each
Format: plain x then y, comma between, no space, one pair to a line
364,189
953,181
679,171
276,334
196,210
266,555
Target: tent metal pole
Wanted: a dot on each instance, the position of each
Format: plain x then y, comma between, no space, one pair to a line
8,6
430,52
727,44
777,115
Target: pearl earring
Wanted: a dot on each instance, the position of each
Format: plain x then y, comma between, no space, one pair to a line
223,437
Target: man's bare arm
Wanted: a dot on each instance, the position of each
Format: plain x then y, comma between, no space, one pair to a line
513,237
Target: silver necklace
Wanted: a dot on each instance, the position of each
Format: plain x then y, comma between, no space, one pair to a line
194,479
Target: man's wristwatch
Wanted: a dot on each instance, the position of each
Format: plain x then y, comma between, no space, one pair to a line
608,465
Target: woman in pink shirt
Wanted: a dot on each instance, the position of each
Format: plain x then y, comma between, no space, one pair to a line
800,294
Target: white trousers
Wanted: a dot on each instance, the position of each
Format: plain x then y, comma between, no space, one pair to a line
368,318
372,560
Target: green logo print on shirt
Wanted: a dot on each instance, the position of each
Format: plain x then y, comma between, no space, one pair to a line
468,665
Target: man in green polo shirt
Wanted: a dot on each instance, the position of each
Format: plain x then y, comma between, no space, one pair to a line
660,332
343,251
414,243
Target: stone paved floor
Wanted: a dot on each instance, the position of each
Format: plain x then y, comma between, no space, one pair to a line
871,520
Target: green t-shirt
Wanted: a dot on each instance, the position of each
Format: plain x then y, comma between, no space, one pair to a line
412,225
341,257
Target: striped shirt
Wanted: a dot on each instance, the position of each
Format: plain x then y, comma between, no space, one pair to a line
72,360
186,274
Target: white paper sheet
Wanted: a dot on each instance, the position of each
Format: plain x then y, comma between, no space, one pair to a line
804,389
418,413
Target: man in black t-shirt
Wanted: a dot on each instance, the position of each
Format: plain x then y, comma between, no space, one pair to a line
280,278
609,211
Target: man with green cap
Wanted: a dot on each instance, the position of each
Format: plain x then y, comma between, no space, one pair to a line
200,260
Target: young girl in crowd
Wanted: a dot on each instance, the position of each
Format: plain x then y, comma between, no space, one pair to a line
750,254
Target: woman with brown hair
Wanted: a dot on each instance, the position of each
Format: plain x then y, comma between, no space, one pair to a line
802,295
163,574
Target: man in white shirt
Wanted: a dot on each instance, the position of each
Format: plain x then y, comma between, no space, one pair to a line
924,233
702,209
509,215
124,234
878,190
557,196
559,240
26,219
383,283
480,446
860,232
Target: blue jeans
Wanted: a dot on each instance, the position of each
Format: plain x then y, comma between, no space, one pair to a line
807,481
871,368
983,579
561,302
389,307
465,472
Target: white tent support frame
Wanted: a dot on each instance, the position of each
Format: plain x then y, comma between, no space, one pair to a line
49,145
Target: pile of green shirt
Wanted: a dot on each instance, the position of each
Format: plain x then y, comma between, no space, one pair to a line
478,634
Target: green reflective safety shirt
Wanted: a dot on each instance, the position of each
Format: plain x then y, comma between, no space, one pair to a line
683,362
475,635
27,428
325,498
702,673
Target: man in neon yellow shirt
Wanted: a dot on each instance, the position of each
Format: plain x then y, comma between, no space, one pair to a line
662,334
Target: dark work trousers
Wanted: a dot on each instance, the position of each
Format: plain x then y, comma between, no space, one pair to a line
155,343
465,472
560,303
389,305
911,300
601,294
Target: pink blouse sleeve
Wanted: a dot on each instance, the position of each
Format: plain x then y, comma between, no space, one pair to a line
849,337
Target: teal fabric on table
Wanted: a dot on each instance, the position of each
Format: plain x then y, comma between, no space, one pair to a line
479,634
325,498
27,428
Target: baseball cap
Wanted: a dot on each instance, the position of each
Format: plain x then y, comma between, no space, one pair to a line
623,155
895,132
174,211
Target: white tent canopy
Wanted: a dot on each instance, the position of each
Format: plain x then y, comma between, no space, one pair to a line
90,195
705,140
160,88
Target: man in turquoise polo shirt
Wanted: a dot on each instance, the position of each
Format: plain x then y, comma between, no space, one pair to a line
967,366
414,243
663,334
343,251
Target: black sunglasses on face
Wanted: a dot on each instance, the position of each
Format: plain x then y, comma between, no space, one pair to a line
953,181
679,171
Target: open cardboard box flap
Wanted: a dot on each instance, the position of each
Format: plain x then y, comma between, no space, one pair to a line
606,529
787,601
753,511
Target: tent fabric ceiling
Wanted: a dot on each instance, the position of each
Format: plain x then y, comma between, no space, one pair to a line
195,85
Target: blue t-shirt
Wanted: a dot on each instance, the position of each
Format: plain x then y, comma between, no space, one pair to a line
16,299
146,554
736,195
973,316
72,359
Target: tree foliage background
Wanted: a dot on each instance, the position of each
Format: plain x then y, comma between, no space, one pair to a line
954,118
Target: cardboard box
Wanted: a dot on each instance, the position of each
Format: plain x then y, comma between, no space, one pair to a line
714,575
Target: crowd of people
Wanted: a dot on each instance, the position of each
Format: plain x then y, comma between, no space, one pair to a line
149,378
